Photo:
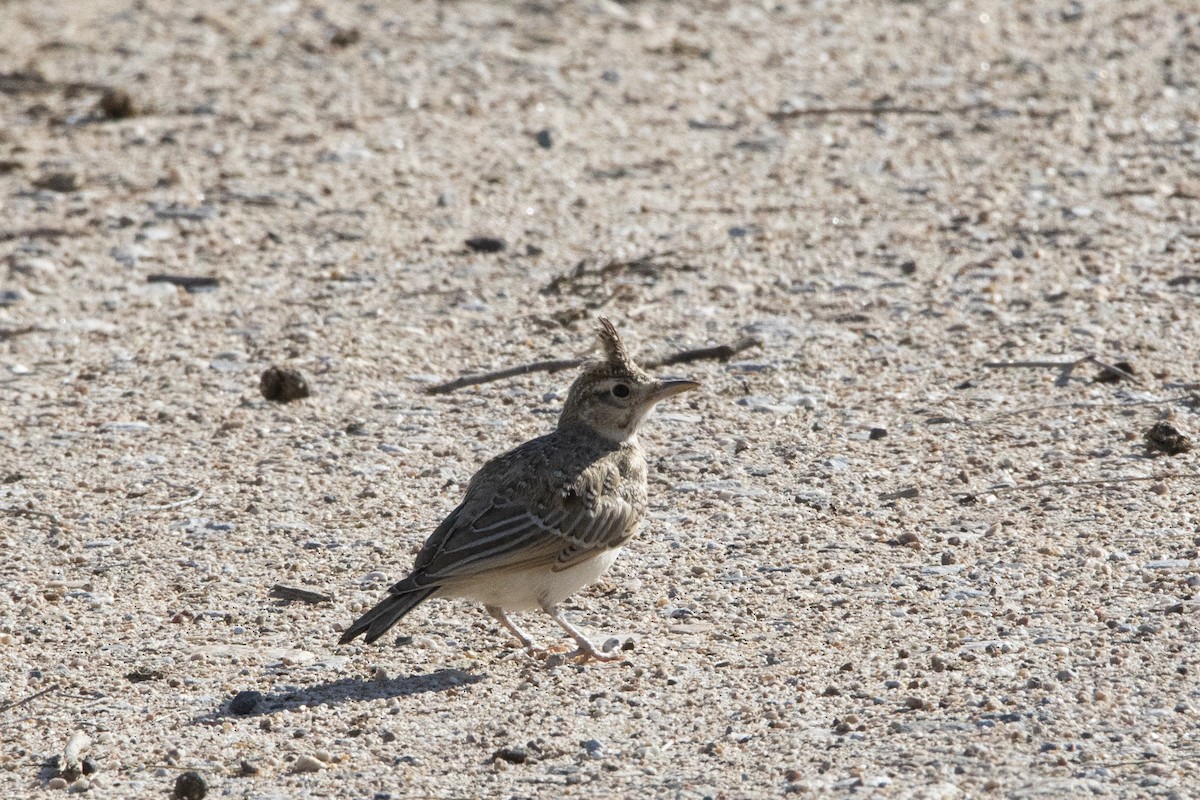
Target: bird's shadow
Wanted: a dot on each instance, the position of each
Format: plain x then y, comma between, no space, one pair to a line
347,689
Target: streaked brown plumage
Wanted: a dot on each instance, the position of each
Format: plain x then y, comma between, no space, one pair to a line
548,517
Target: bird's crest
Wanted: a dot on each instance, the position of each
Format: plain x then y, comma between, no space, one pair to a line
615,354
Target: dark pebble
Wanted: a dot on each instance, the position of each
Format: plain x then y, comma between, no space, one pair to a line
1166,438
877,433
190,786
513,755
344,37
245,702
544,138
485,244
281,385
908,268
59,182
88,766
117,104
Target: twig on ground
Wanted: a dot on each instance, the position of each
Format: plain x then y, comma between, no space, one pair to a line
553,365
196,495
1066,367
190,283
17,511
720,353
874,111
289,593
29,699
12,333
644,263
1095,481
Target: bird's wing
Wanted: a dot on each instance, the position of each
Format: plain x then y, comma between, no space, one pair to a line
510,535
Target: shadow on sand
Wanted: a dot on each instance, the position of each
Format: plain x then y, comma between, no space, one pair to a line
347,689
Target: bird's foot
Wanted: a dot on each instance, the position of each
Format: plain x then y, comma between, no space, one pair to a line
586,651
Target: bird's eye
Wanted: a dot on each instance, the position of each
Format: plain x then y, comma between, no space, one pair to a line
620,390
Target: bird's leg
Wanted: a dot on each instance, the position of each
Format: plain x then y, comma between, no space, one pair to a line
585,648
498,613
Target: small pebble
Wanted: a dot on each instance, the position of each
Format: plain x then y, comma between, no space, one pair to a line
117,104
485,244
513,755
307,763
190,785
544,138
57,783
280,385
245,702
1166,438
59,182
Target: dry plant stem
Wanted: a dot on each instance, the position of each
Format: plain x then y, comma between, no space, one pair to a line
289,593
1050,406
198,493
1095,481
867,111
720,353
12,333
1066,367
29,699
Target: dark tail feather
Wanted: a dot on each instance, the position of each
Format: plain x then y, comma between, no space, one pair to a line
391,609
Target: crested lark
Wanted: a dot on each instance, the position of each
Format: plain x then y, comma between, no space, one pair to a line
548,517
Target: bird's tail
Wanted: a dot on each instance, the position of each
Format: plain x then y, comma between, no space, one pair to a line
391,609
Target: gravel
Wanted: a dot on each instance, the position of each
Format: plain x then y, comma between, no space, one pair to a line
886,195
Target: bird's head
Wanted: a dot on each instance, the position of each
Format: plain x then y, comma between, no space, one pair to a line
612,396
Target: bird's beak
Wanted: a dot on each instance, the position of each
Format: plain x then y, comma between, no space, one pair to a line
667,389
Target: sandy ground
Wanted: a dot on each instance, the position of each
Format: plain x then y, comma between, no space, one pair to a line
873,565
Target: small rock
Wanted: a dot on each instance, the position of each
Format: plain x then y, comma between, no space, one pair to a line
245,702
307,763
190,785
247,770
117,104
908,267
485,244
59,182
57,783
513,755
1166,438
88,766
877,433
280,385
344,37
544,139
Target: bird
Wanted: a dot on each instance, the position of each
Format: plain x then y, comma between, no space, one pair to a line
548,517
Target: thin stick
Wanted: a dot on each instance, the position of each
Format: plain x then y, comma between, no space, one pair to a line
190,283
873,111
16,511
30,699
720,353
1096,481
289,593
1066,367
12,333
177,504
512,372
